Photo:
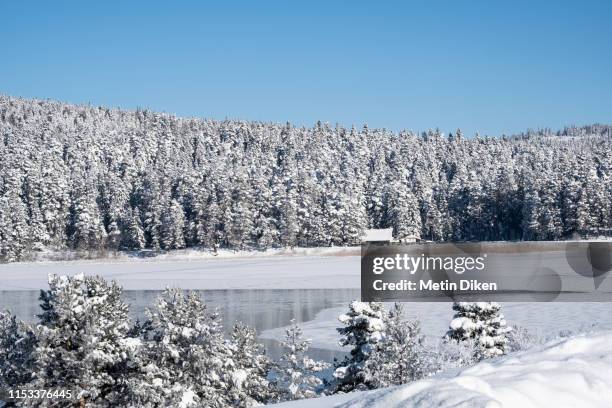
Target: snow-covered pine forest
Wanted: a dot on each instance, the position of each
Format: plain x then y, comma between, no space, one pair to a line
94,179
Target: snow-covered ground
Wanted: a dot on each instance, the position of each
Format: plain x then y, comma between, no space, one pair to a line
301,268
541,319
572,373
49,255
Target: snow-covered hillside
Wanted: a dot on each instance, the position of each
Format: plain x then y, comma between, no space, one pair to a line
574,372
95,180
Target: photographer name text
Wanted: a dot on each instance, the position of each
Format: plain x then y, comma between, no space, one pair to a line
422,285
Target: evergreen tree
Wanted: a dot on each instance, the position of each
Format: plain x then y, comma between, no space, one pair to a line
364,330
483,322
189,350
250,386
297,374
113,237
400,358
173,227
17,343
134,236
81,339
13,228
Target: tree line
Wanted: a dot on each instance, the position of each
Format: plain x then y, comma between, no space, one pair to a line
94,179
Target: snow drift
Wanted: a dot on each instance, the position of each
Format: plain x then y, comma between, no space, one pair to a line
574,372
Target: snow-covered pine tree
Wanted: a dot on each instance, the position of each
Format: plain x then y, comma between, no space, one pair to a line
404,213
188,348
173,226
483,322
364,330
134,236
13,228
249,383
17,343
113,237
297,375
400,357
87,230
81,338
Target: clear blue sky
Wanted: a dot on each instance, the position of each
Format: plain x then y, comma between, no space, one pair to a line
492,66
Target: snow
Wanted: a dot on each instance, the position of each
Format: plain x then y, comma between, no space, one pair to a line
302,268
131,343
372,235
239,377
574,372
541,319
187,399
298,268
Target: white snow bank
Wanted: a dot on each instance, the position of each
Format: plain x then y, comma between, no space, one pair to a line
574,372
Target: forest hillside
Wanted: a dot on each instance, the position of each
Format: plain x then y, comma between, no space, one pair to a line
98,179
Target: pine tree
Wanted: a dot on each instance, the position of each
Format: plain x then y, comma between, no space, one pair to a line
250,386
113,237
17,344
189,350
80,346
400,358
13,228
134,236
483,322
364,330
173,227
297,374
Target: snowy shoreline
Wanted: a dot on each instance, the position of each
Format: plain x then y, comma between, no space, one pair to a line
297,268
69,256
542,319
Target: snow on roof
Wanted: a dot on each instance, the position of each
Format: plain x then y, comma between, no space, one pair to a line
385,234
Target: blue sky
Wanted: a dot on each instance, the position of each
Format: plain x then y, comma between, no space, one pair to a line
493,67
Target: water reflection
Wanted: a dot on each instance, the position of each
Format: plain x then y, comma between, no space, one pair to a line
262,309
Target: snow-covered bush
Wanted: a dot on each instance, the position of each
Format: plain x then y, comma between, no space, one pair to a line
483,322
521,339
17,343
447,354
297,375
364,330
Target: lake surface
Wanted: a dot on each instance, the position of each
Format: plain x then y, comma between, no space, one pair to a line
261,309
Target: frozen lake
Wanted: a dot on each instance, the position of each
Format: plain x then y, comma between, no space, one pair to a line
280,272
543,319
267,291
317,310
261,309
309,268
